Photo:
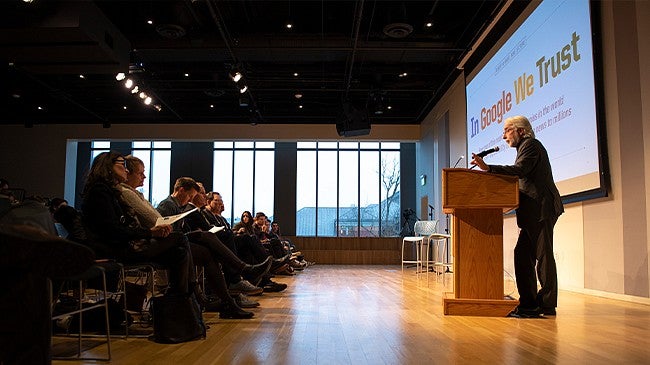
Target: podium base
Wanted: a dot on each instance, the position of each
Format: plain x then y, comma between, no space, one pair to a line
477,307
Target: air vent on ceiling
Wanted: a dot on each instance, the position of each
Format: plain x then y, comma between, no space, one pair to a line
171,31
398,30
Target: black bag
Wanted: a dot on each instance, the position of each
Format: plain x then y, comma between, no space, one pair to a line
177,318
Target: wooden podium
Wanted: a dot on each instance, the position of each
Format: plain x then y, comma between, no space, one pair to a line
477,200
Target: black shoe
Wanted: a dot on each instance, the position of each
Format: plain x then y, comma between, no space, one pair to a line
273,287
232,311
255,273
526,313
548,311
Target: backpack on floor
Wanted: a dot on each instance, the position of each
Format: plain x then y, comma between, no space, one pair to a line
176,319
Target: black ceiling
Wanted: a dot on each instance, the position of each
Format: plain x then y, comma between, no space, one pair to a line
340,51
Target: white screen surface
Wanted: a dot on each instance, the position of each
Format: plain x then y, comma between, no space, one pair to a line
544,71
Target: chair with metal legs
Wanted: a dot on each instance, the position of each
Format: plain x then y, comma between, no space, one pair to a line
99,301
422,231
438,243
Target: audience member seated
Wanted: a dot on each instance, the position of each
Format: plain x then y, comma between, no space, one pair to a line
245,228
298,261
263,233
245,225
246,247
185,189
238,280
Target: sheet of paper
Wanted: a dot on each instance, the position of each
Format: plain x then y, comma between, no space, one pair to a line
173,218
216,229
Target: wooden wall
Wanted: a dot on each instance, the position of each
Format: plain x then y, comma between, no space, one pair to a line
350,251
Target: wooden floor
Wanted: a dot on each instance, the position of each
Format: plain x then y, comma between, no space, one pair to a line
377,315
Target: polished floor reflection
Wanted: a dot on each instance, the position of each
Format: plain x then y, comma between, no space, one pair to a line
379,315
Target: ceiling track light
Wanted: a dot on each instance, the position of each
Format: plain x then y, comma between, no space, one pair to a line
243,89
236,75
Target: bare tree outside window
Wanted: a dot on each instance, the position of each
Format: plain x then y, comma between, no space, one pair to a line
390,180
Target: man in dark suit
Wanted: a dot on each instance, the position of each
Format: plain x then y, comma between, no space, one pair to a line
540,206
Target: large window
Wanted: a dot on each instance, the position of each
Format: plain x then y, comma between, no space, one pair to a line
347,189
244,174
97,147
156,156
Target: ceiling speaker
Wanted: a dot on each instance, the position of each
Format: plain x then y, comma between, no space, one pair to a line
352,122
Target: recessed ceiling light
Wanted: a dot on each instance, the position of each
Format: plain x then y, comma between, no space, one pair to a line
300,106
39,107
82,76
211,105
295,74
389,107
429,24
403,74
148,100
187,75
128,83
157,107
298,95
135,90
149,21
289,25
124,107
120,76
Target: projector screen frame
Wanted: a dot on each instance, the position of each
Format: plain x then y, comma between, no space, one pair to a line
600,125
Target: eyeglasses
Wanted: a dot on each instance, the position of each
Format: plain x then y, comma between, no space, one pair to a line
120,162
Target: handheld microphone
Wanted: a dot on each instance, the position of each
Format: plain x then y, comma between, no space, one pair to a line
487,152
459,159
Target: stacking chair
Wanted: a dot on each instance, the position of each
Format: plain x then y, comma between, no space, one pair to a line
141,274
439,243
422,231
101,301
